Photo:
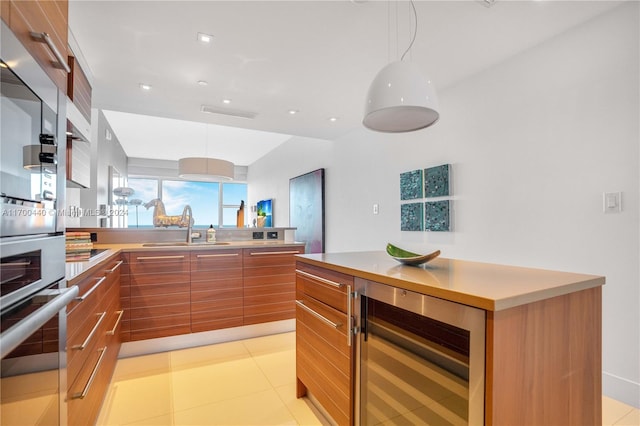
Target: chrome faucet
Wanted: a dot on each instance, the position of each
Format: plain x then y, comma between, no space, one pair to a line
189,222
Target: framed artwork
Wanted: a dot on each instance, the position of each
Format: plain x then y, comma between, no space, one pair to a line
436,181
437,216
306,209
264,211
417,211
411,185
411,217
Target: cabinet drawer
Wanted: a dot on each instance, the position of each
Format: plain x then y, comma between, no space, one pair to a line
156,263
328,323
85,394
215,260
49,17
269,256
326,286
324,361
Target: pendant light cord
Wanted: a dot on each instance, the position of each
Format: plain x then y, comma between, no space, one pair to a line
415,31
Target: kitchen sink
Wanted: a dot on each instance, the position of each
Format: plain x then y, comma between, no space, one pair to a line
183,244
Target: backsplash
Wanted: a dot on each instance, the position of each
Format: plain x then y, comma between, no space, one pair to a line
133,235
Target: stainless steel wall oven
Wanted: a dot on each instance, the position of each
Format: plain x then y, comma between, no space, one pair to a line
33,293
421,359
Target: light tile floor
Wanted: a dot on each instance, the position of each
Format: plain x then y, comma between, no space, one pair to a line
247,382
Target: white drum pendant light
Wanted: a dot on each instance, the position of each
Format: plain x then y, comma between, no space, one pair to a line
401,98
205,169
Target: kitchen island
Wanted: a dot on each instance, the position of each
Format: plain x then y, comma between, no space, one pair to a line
542,331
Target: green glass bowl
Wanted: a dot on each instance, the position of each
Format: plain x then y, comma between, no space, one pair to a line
409,258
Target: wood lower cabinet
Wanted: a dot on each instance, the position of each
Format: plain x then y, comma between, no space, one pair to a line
167,293
159,294
269,284
93,340
324,345
216,290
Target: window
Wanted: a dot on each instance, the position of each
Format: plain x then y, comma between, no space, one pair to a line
145,191
201,196
212,203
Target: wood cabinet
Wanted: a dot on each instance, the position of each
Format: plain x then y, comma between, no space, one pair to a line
544,362
50,17
78,87
541,344
93,341
159,294
269,284
125,298
166,293
324,344
216,289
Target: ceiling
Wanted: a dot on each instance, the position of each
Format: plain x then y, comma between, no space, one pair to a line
270,57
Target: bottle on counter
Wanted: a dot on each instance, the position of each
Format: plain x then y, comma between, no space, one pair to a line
211,235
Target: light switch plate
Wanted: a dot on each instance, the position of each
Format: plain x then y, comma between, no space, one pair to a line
612,202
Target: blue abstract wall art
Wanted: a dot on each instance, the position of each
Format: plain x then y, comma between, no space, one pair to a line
436,181
411,185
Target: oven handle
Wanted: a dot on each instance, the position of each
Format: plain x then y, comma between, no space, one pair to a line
12,338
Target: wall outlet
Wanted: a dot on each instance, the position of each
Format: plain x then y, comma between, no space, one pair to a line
258,235
612,202
375,209
272,235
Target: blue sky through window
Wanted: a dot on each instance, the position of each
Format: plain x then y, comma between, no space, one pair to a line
203,197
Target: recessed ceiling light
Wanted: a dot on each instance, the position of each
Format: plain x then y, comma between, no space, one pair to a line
293,111
205,38
144,86
226,101
333,119
202,82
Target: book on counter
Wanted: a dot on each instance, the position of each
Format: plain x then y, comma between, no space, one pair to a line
78,246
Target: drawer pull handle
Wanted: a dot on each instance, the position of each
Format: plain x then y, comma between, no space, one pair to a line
317,315
93,331
45,38
267,253
15,264
113,330
160,257
112,270
204,256
317,278
349,328
87,387
91,290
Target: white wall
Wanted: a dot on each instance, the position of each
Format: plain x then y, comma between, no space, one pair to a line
104,153
533,143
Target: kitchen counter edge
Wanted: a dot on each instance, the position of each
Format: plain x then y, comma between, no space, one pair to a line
486,286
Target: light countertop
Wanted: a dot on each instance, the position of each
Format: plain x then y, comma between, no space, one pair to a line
220,245
482,285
